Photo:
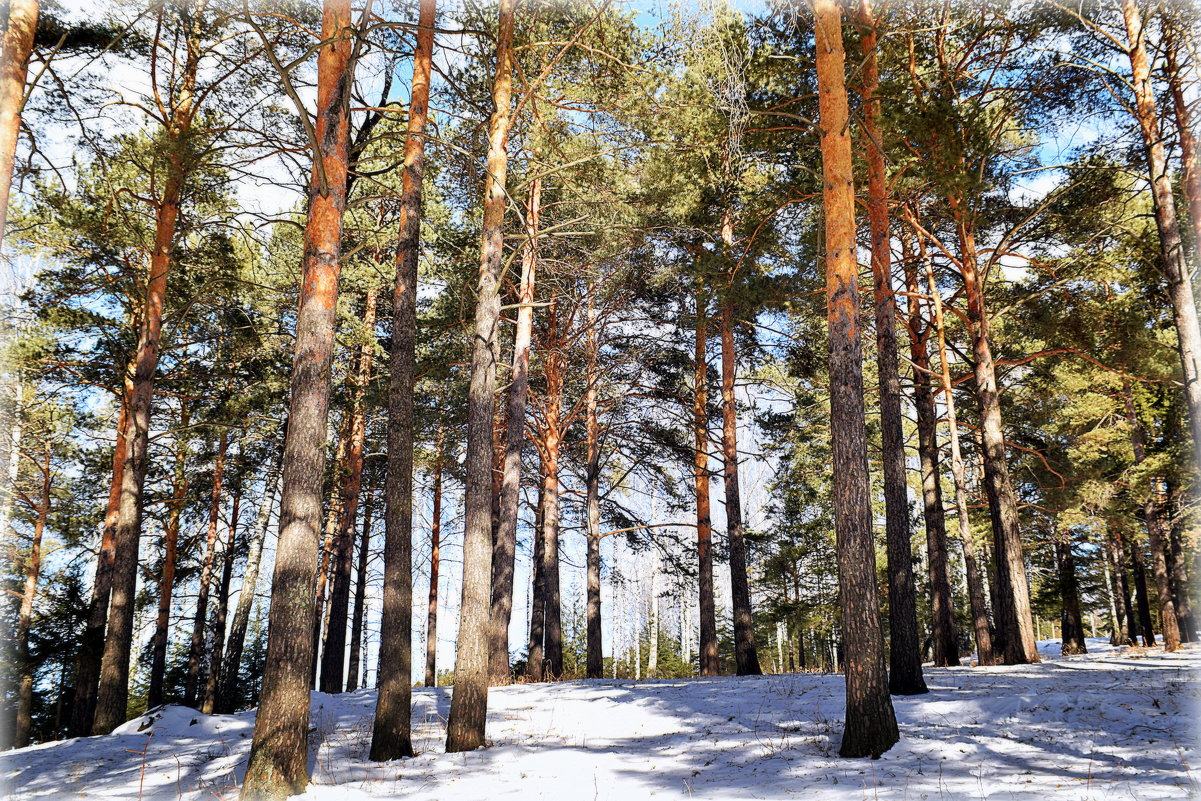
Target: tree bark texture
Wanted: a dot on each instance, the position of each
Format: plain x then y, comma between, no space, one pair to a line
870,726
279,754
700,472
14,69
469,701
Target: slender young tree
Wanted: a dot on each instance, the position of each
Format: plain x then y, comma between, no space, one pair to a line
391,737
469,701
746,655
700,476
519,390
176,120
594,655
870,727
278,764
905,659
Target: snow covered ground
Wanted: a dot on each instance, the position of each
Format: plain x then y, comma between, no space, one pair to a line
1114,724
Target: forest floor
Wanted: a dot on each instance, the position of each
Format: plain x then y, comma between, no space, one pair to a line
1113,724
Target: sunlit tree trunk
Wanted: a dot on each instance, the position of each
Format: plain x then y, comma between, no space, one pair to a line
14,66
552,443
870,726
700,474
166,584
514,439
1172,261
113,689
469,701
196,651
595,655
279,754
905,658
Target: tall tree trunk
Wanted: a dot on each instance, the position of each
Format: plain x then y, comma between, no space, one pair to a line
166,584
196,651
360,595
595,657
227,572
905,657
942,612
14,65
250,580
1153,518
1071,623
91,645
700,473
334,655
392,735
1171,249
469,702
33,566
549,533
113,689
746,656
1011,604
975,582
870,727
279,754
431,624
510,489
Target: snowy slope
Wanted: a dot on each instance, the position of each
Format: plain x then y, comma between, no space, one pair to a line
1109,725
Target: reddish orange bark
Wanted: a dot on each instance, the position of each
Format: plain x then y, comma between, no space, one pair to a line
279,754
